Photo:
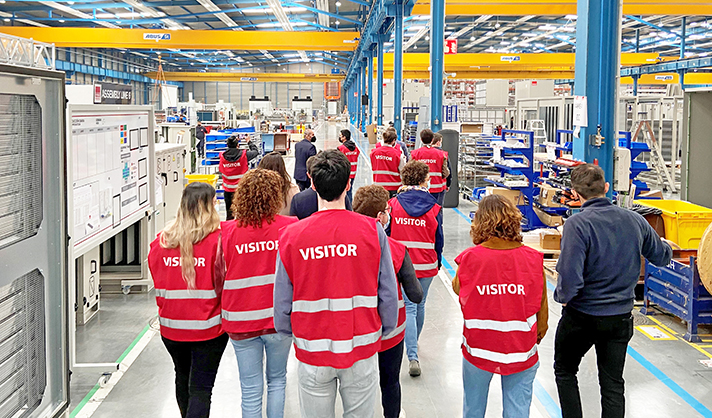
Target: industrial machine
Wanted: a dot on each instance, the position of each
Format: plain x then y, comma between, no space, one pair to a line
170,176
34,367
88,288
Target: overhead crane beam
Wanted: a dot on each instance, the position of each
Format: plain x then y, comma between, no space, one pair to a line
563,7
188,39
248,77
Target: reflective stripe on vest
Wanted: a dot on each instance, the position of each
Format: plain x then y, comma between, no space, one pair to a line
186,294
421,245
503,326
386,183
502,358
255,281
334,305
189,324
430,266
248,315
354,163
400,328
390,173
435,174
233,177
337,346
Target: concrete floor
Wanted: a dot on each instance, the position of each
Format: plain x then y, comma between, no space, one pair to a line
664,378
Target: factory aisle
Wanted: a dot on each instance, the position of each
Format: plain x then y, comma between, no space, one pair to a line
664,377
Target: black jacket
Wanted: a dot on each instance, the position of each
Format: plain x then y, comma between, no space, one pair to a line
302,151
349,144
234,154
306,203
200,132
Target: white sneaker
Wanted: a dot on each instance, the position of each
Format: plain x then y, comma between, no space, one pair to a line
402,413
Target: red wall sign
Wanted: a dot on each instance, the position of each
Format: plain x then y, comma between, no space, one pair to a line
450,46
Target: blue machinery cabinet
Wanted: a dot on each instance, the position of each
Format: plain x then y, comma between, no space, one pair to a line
677,289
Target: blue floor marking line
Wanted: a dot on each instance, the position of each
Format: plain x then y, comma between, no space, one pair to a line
449,268
552,408
467,218
671,384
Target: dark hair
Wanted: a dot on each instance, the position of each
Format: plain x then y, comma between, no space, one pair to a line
330,173
257,198
426,136
232,142
274,161
414,173
589,181
437,137
310,163
390,136
371,199
346,133
496,217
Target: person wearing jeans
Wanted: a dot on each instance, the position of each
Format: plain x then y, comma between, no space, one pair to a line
502,292
417,224
598,268
250,249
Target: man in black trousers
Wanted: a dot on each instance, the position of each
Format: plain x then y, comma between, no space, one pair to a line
598,270
302,151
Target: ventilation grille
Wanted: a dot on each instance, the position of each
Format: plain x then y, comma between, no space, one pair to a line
22,344
20,168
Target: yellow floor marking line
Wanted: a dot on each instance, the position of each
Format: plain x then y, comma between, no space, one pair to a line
655,333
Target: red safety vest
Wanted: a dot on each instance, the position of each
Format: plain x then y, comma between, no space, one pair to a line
250,258
397,146
391,340
186,314
418,235
332,258
434,158
232,171
353,158
384,163
500,295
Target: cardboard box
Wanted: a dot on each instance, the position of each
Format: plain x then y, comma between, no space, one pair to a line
651,194
372,133
515,196
547,219
546,196
471,128
550,240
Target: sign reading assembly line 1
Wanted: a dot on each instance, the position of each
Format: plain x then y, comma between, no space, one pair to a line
156,37
112,93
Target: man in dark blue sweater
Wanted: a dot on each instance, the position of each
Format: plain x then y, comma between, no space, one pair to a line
598,270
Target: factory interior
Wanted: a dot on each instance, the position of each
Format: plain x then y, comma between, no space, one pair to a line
109,109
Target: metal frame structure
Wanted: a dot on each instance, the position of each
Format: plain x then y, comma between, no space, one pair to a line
26,52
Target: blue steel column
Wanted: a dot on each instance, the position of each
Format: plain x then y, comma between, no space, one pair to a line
637,49
364,70
683,36
379,80
437,66
597,57
357,99
398,70
369,78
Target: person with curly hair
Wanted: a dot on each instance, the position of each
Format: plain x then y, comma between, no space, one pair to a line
418,224
250,247
502,288
274,161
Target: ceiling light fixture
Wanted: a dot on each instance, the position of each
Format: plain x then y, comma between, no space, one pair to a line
61,20
338,4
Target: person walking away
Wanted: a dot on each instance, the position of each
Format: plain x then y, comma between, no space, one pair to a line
234,163
437,163
417,224
274,161
200,136
335,268
438,144
348,147
302,151
250,247
187,267
399,144
386,162
598,270
372,201
306,202
502,289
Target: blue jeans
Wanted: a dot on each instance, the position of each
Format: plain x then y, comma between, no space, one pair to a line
249,362
516,391
414,319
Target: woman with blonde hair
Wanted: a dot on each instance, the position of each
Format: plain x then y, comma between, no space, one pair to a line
188,270
250,248
274,161
502,289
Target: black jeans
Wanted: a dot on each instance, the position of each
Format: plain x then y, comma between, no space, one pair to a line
303,184
389,366
576,334
196,366
228,204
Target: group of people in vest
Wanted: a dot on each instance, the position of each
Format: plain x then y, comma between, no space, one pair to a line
346,289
